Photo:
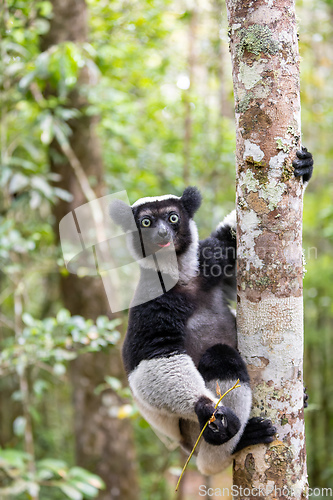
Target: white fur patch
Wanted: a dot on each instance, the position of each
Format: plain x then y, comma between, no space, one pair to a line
229,220
151,199
188,262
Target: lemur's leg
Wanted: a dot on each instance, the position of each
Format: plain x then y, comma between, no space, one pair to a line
223,365
170,384
171,388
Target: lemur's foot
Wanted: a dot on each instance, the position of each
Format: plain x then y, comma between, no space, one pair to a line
225,425
257,430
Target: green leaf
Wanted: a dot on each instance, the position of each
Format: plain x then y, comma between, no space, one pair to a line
19,426
15,47
86,488
102,321
71,492
14,68
28,319
63,194
44,474
40,386
13,459
42,185
18,182
113,382
42,26
59,369
22,162
53,464
47,126
45,8
26,80
62,131
63,316
67,114
35,200
87,476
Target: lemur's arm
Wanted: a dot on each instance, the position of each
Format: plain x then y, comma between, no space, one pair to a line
217,254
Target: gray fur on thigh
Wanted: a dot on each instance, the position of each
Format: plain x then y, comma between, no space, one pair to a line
170,384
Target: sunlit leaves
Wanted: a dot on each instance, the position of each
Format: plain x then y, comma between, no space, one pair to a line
57,341
75,483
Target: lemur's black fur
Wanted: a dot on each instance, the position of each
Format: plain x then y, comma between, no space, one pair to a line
179,344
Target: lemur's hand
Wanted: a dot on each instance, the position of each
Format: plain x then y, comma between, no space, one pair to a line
224,427
305,398
303,164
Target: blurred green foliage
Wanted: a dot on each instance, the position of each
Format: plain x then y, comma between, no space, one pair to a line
75,483
145,90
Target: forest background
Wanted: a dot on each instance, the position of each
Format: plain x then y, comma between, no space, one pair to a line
159,96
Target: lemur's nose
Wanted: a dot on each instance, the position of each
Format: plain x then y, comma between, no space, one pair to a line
163,232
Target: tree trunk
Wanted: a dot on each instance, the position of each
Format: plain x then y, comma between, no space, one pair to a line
187,95
264,51
104,445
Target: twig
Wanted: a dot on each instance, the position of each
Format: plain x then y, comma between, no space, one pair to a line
201,433
79,172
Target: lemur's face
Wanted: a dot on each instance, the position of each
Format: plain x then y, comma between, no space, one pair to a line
164,222
163,225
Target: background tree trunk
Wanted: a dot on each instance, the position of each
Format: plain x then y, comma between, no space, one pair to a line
264,50
187,93
104,445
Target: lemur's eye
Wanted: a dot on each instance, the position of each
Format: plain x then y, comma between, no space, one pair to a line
174,218
145,222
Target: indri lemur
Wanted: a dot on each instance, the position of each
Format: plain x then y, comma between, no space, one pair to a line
180,344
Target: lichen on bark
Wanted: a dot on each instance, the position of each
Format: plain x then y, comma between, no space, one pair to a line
257,39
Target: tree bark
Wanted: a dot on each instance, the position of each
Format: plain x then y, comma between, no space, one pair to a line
265,59
104,445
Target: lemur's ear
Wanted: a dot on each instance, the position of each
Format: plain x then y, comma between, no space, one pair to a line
191,200
122,215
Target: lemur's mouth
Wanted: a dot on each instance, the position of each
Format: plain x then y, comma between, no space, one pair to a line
163,246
